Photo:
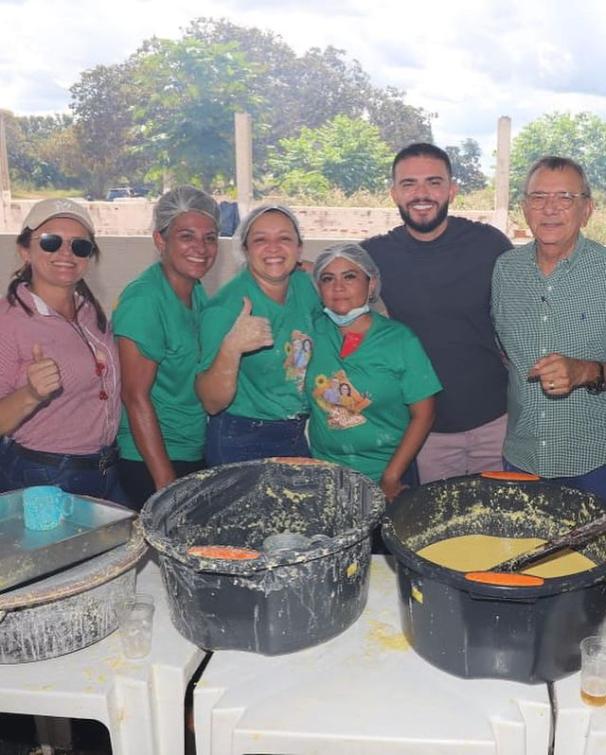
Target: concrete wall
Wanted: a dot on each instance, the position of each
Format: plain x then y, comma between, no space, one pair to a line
133,217
130,217
125,255
123,258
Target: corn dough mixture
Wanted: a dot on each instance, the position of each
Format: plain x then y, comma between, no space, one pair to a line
482,552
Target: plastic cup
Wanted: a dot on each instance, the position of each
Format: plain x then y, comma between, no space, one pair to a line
593,670
136,626
45,507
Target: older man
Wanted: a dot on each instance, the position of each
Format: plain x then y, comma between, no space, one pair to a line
549,308
436,271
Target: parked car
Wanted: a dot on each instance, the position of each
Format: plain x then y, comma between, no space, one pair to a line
119,192
141,190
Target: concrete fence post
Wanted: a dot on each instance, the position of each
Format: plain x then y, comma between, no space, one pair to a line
502,173
5,181
244,184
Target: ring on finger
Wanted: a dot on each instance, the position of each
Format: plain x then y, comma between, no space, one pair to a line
551,385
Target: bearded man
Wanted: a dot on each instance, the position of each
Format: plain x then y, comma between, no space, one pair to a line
436,271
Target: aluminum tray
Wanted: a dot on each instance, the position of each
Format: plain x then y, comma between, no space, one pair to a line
94,526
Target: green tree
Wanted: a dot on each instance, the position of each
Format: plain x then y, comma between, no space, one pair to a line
313,88
102,102
466,166
188,92
299,91
33,153
581,137
63,150
170,106
347,152
399,124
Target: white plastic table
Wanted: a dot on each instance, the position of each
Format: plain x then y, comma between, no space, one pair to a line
362,693
140,702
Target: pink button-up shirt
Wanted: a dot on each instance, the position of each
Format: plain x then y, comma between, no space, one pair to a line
77,420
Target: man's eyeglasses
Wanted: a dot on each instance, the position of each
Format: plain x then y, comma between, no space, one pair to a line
51,242
562,200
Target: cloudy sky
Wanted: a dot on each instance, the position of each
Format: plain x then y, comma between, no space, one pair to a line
468,61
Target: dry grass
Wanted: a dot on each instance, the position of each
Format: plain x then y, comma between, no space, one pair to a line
334,198
476,200
29,192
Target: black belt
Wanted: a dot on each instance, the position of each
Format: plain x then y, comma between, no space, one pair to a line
97,461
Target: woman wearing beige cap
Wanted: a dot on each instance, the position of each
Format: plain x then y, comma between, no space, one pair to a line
59,375
157,323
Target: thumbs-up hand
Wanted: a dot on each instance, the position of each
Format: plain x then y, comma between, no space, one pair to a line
43,376
37,352
249,332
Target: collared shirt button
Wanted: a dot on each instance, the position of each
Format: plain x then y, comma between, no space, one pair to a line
550,288
543,350
543,416
543,442
544,318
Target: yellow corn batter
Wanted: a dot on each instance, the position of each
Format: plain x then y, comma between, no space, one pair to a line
482,552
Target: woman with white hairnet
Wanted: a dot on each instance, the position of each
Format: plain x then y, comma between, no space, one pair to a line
257,345
158,326
370,383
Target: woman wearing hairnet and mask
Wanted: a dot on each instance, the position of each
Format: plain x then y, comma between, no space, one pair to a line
256,346
369,382
158,326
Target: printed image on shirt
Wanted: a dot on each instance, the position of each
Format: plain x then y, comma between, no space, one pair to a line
298,354
340,400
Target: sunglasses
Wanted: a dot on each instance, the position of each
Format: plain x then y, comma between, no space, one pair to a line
51,242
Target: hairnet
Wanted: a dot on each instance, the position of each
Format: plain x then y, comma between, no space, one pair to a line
243,229
183,199
357,256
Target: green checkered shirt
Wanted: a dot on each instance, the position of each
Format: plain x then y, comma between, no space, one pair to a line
536,315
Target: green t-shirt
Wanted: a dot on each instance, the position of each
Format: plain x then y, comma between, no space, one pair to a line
270,380
151,314
359,403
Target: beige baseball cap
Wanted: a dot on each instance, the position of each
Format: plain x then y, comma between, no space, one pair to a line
57,208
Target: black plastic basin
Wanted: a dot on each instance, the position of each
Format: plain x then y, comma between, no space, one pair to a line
528,634
276,603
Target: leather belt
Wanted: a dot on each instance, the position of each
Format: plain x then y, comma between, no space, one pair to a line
100,461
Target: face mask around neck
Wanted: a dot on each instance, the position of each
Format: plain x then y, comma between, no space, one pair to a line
348,317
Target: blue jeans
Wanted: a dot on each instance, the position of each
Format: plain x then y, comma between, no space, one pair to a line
138,484
230,438
590,482
410,478
17,471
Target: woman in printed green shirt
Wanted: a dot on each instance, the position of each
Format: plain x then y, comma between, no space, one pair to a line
256,346
369,382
